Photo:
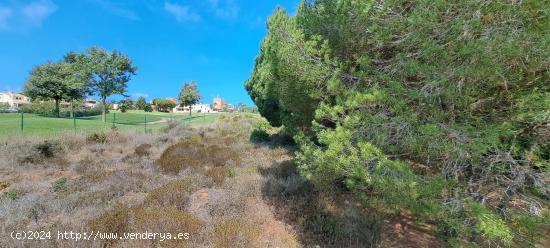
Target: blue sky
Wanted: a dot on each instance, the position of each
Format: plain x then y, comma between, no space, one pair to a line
211,41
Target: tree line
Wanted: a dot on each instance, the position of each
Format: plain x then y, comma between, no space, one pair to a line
95,72
440,108
188,96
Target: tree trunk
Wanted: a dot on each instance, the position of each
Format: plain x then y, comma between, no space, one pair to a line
189,110
57,108
104,109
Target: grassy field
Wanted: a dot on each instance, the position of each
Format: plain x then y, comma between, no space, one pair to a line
10,123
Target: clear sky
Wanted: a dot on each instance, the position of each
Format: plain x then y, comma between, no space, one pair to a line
211,41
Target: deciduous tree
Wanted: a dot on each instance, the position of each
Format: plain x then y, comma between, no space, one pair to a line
78,81
110,73
140,103
189,95
50,81
164,105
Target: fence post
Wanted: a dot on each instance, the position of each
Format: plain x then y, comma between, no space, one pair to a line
21,122
114,119
145,123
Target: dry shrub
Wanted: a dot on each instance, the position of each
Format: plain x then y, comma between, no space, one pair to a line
223,203
85,165
97,138
59,184
142,150
113,221
163,139
88,201
196,138
73,142
167,219
194,153
37,212
118,137
173,194
15,153
334,220
93,177
283,179
247,185
4,185
47,150
218,174
235,233
227,140
180,156
293,185
219,155
170,125
284,169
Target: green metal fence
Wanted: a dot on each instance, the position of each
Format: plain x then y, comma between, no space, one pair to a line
22,123
32,124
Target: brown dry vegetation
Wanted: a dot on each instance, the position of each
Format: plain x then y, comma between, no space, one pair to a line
209,181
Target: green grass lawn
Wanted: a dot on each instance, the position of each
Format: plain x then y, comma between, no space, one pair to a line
10,123
127,118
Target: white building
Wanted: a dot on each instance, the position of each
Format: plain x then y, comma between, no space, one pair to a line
13,99
89,103
201,108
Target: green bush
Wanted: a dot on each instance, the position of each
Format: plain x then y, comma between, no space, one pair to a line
260,132
140,103
83,112
148,108
59,184
123,108
373,90
44,109
4,107
125,105
47,109
10,195
259,136
164,105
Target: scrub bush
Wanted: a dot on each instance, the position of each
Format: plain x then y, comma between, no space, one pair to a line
371,90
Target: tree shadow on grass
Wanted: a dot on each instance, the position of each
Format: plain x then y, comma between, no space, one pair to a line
319,219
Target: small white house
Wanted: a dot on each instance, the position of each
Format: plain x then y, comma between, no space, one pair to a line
202,108
15,100
89,103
